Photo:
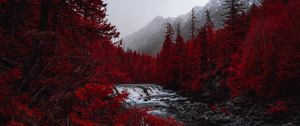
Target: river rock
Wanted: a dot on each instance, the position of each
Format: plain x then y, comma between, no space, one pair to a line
288,124
166,103
296,120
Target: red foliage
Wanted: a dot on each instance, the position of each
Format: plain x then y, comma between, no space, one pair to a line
267,49
279,108
255,54
96,107
165,59
183,65
58,63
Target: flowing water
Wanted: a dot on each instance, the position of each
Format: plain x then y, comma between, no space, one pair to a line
167,103
164,103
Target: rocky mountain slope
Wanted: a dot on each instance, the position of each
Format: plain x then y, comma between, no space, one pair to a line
149,39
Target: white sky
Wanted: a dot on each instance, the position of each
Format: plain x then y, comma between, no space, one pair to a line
130,15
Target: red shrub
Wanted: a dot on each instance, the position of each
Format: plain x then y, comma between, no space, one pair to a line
280,107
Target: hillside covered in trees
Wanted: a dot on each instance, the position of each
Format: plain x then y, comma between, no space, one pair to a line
255,56
59,65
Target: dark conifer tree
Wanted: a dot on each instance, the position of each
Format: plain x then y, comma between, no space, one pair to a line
210,38
165,58
179,59
232,24
234,9
193,24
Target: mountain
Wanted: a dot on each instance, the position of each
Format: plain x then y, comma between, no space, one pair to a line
149,39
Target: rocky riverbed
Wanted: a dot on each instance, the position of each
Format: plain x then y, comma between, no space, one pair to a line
167,103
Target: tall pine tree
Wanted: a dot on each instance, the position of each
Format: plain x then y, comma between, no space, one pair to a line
179,59
165,58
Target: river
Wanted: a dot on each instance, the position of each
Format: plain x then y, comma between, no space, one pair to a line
165,103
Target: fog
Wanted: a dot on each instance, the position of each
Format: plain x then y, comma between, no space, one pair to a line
130,15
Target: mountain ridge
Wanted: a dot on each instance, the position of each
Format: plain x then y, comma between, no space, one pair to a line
149,39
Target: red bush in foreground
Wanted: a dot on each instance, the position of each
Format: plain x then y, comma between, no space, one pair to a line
96,106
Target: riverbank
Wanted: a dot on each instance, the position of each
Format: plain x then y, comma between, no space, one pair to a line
237,112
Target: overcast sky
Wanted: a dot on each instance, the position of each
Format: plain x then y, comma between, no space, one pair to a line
130,15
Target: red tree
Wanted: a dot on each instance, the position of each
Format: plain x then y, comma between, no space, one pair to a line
165,59
58,63
179,60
